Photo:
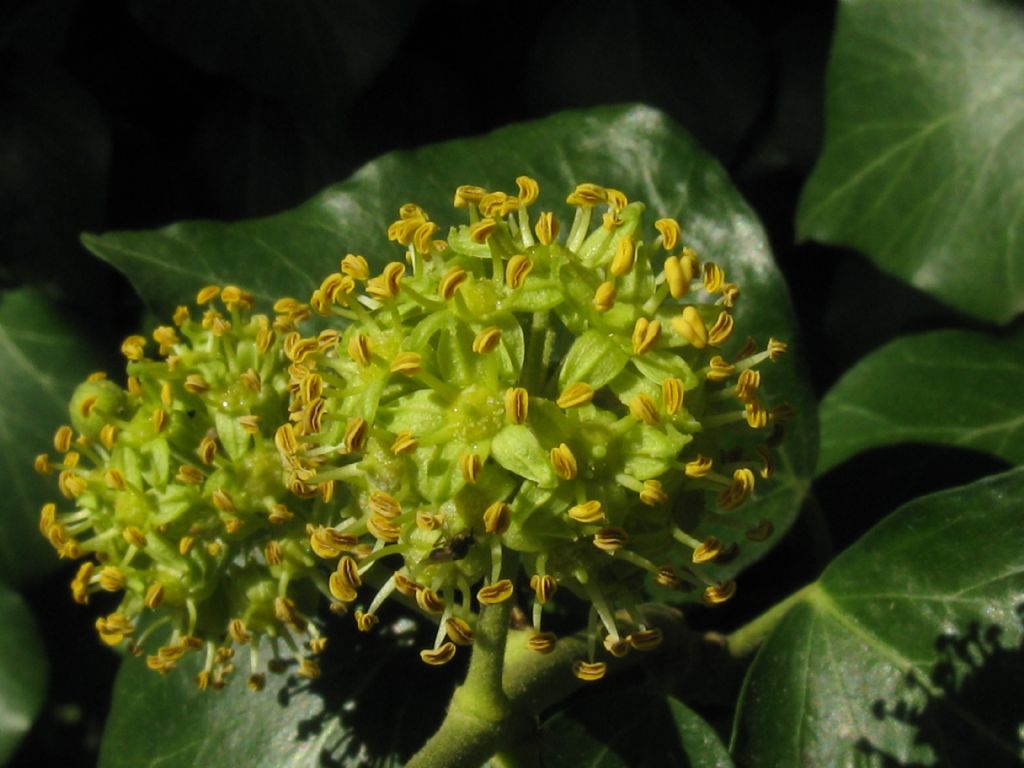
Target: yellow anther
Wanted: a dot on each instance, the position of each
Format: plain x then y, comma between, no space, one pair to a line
181,315
356,432
250,424
114,628
516,270
235,298
708,550
406,363
115,479
741,487
154,595
699,467
411,211
587,195
383,529
719,593
325,490
495,593
404,229
497,518
423,238
625,256
256,682
451,281
470,464
159,420
730,295
264,340
189,475
439,656
672,395
71,485
497,204
486,340
604,297
652,493
404,443
459,631
617,647
546,228
366,621
776,349
645,639
386,285
279,514
222,501
642,408
675,277
645,334
406,586
747,385
108,436
616,198
329,543
429,601
667,577
80,584
480,231
317,645
134,347
112,579
47,517
467,195
587,512
714,277
207,294
756,414
286,441
62,439
273,552
544,587
589,671
133,386
428,522
721,330
563,461
575,395
719,370
385,505
517,404
42,465
355,267
134,536
691,327
670,233
610,539
529,189
359,349
196,384
542,642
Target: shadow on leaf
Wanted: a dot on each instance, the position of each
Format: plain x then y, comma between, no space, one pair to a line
972,712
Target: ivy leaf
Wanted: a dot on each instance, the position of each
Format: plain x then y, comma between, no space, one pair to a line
23,671
631,729
921,168
908,647
632,148
375,704
44,354
951,387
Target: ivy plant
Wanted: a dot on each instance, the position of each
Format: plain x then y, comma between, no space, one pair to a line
504,451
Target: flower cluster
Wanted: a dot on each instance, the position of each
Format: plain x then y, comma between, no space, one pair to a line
501,414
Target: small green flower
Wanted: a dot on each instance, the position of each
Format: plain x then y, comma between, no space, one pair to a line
505,407
180,503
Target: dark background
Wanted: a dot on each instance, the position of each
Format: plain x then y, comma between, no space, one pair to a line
124,114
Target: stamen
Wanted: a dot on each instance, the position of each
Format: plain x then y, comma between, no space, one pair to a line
691,327
642,408
713,277
604,297
452,279
497,518
544,587
439,656
589,671
546,228
719,593
517,403
625,256
721,330
670,234
406,363
588,512
563,461
652,494
610,539
459,631
516,270
672,395
355,267
495,593
575,395
486,340
645,334
699,467
542,642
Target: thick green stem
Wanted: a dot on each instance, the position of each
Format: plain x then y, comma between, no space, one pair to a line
745,641
478,716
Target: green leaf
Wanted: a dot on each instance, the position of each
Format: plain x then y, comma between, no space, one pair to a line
921,168
594,358
633,148
906,648
952,387
375,704
517,449
23,671
631,729
44,354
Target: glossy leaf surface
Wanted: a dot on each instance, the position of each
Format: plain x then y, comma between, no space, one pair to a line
907,650
922,167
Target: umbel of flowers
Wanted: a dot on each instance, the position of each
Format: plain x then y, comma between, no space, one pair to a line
513,410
